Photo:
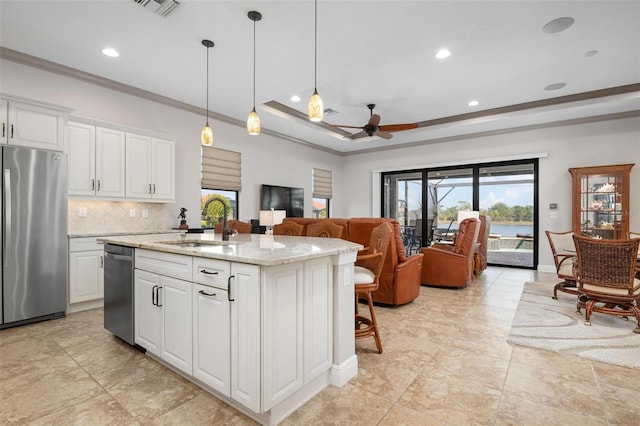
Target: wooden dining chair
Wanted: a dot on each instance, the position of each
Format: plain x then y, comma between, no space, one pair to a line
239,226
325,228
288,228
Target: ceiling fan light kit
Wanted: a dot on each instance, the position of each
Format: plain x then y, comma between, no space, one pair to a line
253,121
206,136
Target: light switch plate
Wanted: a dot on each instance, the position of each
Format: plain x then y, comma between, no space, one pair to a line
145,213
554,215
82,212
132,212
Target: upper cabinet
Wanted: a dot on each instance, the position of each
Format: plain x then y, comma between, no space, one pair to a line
31,124
116,164
601,201
150,172
96,161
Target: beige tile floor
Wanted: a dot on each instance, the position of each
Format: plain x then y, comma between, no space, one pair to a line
445,362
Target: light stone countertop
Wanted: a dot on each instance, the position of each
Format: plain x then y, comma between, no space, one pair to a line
117,233
266,250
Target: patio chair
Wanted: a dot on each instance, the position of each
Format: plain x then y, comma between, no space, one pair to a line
564,255
605,272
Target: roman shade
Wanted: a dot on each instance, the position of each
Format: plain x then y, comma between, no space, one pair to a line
221,169
322,184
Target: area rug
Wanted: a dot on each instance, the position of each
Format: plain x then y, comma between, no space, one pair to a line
543,323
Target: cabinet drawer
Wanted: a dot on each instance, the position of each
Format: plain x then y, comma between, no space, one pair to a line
171,265
84,244
211,272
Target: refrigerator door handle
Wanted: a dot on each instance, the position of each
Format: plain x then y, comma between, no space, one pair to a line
7,204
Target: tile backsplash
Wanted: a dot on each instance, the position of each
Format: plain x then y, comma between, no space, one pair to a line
89,216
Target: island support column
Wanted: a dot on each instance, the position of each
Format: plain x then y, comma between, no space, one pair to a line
345,362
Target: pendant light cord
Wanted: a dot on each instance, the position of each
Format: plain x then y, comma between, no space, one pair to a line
254,65
207,85
315,61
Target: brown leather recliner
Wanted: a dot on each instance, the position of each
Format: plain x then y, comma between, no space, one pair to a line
400,279
452,267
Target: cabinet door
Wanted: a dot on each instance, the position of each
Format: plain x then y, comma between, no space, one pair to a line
81,149
35,126
86,276
110,162
163,169
147,314
282,338
245,334
176,323
212,338
138,175
318,318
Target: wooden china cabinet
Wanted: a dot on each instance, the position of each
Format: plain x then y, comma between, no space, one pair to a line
601,201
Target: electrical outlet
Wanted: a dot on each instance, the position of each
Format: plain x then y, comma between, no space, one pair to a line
145,213
554,215
82,212
132,212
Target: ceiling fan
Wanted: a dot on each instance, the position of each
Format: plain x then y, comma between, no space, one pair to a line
373,127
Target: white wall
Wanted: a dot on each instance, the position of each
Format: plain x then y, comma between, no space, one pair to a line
591,144
265,159
269,160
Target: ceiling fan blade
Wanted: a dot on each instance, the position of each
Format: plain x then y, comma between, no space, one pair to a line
398,127
347,127
358,135
374,120
383,134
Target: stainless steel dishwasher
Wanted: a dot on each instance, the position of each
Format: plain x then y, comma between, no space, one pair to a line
119,291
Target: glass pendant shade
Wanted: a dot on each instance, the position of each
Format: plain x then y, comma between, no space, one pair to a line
316,109
253,122
207,135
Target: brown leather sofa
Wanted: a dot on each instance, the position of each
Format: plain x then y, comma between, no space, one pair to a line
400,279
451,265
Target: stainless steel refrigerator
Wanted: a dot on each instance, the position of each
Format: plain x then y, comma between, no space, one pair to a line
33,235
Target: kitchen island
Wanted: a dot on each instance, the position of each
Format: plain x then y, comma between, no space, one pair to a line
262,322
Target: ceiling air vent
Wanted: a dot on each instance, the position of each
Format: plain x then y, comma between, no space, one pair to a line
161,7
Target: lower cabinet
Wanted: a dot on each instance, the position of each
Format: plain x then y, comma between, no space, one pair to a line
163,318
86,270
255,334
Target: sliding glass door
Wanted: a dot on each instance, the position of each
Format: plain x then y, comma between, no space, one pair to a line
426,203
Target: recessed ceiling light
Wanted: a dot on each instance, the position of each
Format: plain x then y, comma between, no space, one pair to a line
443,53
110,52
295,98
558,25
555,86
590,53
473,103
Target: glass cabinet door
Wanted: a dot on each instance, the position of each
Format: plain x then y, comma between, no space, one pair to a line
601,201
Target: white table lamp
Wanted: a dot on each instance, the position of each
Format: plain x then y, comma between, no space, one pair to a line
272,217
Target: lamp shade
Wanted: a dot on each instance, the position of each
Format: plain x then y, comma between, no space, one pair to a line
272,217
465,214
316,109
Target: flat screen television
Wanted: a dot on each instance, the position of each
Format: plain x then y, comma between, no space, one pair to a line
282,198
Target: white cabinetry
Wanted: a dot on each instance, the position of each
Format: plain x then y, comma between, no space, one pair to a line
163,319
96,161
212,338
32,125
150,171
86,270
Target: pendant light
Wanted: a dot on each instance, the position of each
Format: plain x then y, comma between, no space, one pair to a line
316,109
253,121
207,134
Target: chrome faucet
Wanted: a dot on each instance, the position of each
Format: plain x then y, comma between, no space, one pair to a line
225,228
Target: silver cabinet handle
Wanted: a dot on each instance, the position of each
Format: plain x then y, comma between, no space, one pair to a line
153,295
3,128
204,293
101,262
12,131
204,271
158,296
98,184
93,184
154,188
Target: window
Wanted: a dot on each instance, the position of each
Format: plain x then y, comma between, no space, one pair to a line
222,178
322,193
